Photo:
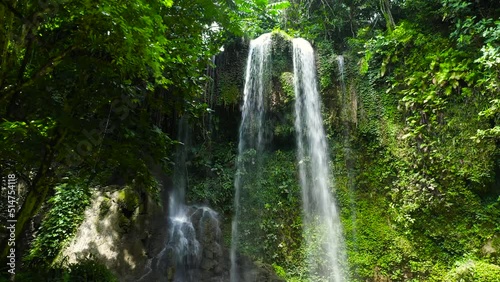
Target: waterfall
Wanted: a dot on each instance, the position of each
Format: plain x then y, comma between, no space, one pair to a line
182,235
192,250
177,196
322,228
340,62
251,134
323,232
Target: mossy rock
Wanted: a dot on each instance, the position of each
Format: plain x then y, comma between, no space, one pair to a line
490,251
128,200
229,78
229,91
495,242
124,223
282,50
231,67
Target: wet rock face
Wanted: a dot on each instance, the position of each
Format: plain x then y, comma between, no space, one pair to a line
209,236
118,232
193,251
198,254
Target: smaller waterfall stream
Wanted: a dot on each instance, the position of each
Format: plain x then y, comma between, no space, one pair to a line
192,251
340,62
323,232
182,239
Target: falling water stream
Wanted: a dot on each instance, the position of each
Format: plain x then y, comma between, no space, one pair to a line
251,134
182,237
326,255
194,233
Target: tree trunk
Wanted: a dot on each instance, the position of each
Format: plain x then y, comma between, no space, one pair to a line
385,7
36,196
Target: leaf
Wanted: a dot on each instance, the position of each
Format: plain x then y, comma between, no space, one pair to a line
448,90
281,5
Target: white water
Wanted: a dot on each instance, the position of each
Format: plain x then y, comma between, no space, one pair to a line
251,134
176,199
322,227
182,234
340,62
188,226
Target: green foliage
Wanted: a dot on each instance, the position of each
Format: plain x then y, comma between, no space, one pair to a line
281,53
279,270
87,269
259,16
286,80
230,93
66,212
274,199
372,242
212,181
16,136
276,236
281,221
470,270
89,89
327,67
435,159
424,97
414,187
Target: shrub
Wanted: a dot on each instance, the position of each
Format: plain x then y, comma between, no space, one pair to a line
471,270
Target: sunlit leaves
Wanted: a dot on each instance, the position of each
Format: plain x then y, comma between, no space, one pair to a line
118,70
490,56
61,222
167,3
276,7
260,16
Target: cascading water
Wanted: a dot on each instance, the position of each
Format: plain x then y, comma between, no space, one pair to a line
251,134
323,232
182,237
340,62
192,251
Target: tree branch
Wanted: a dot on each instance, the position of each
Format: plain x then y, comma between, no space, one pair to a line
14,11
48,67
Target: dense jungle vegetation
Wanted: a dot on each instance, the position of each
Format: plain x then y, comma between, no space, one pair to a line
91,93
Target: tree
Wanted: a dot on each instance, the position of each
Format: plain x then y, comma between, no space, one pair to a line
86,87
